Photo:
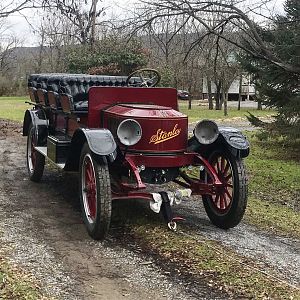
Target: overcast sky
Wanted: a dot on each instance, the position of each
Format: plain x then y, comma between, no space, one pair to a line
21,28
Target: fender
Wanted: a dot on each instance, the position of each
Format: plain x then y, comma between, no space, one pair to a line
36,117
235,141
229,138
100,141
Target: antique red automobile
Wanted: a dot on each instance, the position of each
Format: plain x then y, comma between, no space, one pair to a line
123,136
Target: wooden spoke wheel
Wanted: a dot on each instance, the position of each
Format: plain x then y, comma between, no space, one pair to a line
227,207
95,194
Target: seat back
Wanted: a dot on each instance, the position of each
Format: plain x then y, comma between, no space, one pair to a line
33,94
53,99
76,86
66,103
42,96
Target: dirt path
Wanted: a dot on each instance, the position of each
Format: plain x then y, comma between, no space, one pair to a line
42,227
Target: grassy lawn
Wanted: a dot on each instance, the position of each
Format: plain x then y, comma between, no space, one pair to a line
274,186
16,285
13,108
199,112
207,261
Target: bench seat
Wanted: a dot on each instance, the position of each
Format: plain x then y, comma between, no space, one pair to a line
75,85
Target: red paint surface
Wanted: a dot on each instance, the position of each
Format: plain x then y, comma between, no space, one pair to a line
155,161
102,97
163,128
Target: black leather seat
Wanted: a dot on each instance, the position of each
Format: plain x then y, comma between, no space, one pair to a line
75,85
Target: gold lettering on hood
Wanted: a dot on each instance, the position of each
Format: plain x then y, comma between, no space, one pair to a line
162,136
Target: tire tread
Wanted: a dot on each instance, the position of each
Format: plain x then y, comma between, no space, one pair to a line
100,228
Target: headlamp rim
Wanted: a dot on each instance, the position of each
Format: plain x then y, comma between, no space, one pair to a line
125,121
217,131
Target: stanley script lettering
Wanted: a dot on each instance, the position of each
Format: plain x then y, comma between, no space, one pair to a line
162,136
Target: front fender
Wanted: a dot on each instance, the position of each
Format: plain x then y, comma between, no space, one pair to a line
229,138
36,117
100,141
235,141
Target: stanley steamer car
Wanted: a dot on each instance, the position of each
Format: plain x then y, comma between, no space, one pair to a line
123,135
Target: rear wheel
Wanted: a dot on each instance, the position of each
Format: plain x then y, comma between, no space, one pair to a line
227,207
95,194
35,161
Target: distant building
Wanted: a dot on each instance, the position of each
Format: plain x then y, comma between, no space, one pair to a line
248,89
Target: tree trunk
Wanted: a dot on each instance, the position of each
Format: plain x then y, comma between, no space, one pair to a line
222,99
93,21
240,91
190,102
259,105
209,93
225,99
258,99
218,96
248,89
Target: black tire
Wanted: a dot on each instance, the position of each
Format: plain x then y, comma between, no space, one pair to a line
35,161
223,211
95,194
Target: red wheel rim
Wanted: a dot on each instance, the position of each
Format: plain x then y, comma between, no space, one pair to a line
31,152
89,188
222,200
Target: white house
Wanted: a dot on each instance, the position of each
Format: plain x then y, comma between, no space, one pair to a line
248,89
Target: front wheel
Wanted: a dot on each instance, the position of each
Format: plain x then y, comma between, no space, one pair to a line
226,208
35,161
95,194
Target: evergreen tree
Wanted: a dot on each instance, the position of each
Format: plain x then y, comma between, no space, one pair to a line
278,87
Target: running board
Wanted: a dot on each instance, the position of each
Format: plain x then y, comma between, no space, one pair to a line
43,151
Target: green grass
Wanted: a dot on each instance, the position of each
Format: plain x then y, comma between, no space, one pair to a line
272,171
188,253
274,186
13,108
202,112
15,285
216,265
273,217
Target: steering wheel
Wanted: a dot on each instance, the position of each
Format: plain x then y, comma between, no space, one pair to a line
148,78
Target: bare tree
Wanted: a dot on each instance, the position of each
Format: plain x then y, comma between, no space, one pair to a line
227,13
16,6
8,42
11,7
84,17
55,35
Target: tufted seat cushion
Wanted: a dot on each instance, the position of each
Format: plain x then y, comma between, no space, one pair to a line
75,85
